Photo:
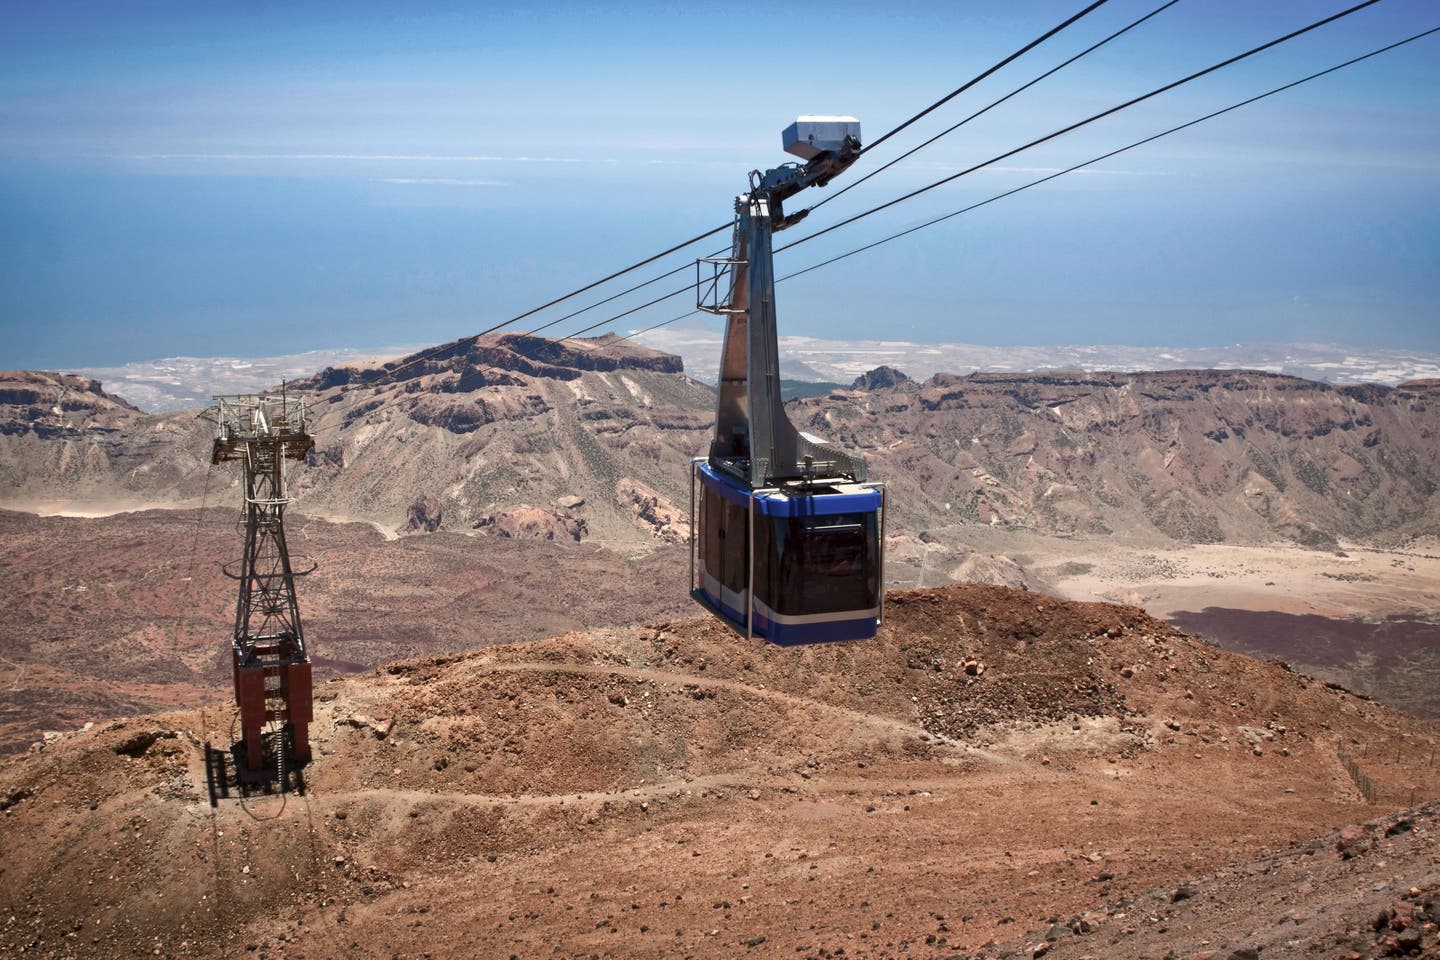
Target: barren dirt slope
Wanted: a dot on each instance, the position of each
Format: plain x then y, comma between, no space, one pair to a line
992,760
1368,891
114,616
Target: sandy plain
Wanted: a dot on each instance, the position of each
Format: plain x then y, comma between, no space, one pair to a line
1359,581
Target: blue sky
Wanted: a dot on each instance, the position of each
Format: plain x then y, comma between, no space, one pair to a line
253,179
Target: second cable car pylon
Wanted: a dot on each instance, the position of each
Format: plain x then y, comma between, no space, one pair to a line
787,534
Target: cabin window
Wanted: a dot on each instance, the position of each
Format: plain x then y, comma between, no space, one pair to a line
823,564
725,539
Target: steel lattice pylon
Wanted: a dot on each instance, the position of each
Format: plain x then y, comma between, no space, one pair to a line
272,667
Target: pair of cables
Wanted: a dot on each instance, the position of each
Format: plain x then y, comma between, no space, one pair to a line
1034,183
433,353
1071,169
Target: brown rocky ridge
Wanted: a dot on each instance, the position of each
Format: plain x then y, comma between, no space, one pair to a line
64,439
1198,456
511,421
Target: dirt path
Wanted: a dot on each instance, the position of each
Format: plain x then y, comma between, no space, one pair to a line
15,684
668,678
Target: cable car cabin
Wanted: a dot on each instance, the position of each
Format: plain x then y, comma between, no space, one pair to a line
787,542
811,550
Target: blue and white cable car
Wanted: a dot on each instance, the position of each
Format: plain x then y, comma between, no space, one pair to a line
787,535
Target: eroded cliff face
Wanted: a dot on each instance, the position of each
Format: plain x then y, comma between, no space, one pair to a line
62,437
58,405
470,364
575,428
1198,456
512,435
478,430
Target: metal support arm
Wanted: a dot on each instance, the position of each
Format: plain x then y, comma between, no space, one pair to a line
754,439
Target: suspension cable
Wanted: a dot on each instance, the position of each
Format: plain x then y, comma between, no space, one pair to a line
993,104
463,341
966,86
1010,153
1077,125
846,222
466,340
1106,156
1060,173
599,303
886,136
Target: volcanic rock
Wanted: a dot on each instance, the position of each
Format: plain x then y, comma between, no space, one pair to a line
881,378
424,516
533,523
666,522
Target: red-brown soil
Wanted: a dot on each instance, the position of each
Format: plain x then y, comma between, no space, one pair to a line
1366,892
993,762
132,613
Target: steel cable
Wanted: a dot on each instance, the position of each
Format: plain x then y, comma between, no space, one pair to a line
471,338
1053,70
1009,153
959,90
1089,120
1059,173
966,86
1112,153
993,104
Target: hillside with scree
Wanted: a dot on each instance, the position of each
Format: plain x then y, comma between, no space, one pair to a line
992,760
1198,456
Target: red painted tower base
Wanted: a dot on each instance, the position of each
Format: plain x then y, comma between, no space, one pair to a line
274,686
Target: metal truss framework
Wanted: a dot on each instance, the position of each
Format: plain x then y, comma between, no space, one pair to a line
272,668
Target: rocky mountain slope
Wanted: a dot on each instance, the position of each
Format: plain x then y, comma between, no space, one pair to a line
1198,456
518,436
988,765
64,439
591,439
521,436
1368,891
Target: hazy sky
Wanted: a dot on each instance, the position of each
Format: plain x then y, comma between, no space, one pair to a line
183,178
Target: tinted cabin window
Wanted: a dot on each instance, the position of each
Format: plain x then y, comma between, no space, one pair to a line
725,529
712,516
737,546
822,564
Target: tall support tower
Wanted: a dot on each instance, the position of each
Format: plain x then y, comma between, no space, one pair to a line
272,667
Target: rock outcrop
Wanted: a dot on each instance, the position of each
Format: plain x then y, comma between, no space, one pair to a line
533,523
424,516
881,378
1196,456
